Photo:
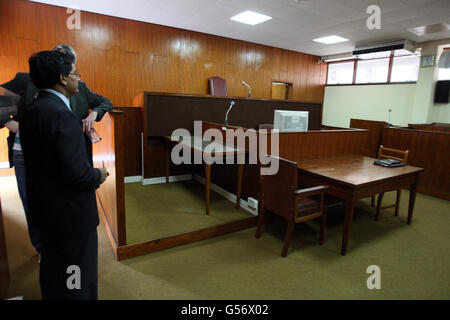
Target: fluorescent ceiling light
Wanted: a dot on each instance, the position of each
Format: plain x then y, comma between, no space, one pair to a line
330,39
250,17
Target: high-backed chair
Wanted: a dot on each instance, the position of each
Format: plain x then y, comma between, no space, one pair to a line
389,153
217,86
279,194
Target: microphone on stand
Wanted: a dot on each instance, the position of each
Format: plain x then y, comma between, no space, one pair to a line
226,115
249,89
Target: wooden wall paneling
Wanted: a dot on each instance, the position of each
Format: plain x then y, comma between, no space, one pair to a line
25,21
8,47
102,71
131,62
317,87
233,82
160,50
86,58
46,27
310,83
132,35
4,267
65,35
25,48
323,79
301,92
276,63
428,150
292,59
284,65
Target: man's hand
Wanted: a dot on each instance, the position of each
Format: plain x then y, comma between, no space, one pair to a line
104,174
88,123
12,126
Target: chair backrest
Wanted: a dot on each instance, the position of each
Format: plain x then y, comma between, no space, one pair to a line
277,191
389,153
217,86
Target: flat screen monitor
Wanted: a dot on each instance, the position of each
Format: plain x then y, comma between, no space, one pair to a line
290,121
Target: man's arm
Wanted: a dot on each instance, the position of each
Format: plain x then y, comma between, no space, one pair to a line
18,84
72,157
97,103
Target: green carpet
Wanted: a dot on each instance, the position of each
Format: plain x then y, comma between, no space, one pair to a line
162,210
413,259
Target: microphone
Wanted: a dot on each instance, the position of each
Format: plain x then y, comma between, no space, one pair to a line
226,115
249,89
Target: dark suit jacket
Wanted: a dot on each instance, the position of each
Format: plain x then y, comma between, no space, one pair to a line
80,103
61,182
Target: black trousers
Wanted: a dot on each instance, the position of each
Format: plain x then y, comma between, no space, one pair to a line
68,268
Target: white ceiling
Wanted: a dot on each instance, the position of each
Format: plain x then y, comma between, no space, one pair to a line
293,25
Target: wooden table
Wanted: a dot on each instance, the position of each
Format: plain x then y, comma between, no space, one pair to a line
208,149
352,177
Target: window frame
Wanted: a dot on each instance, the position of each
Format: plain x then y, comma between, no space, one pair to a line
355,67
343,61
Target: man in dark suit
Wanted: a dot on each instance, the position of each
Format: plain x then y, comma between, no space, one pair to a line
81,103
61,181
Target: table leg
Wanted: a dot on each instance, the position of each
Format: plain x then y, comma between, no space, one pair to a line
239,185
207,185
349,210
412,199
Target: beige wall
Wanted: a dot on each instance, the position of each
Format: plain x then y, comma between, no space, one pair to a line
410,103
370,102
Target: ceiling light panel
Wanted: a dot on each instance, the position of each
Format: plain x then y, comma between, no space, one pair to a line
250,17
331,39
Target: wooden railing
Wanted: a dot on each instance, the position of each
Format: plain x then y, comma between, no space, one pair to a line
111,195
4,268
375,129
428,150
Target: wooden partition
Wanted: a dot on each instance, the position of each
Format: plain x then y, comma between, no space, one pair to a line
435,126
4,268
374,136
307,145
296,146
428,150
163,113
131,130
110,195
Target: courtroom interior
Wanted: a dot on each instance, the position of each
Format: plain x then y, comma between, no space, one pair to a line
347,100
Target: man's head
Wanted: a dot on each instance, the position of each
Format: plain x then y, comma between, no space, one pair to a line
54,70
64,48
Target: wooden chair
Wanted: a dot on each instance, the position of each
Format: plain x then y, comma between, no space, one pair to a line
279,194
217,86
389,153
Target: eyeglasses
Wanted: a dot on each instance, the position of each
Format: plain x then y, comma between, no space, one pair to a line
78,75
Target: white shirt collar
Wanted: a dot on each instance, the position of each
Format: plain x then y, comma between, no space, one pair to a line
61,96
